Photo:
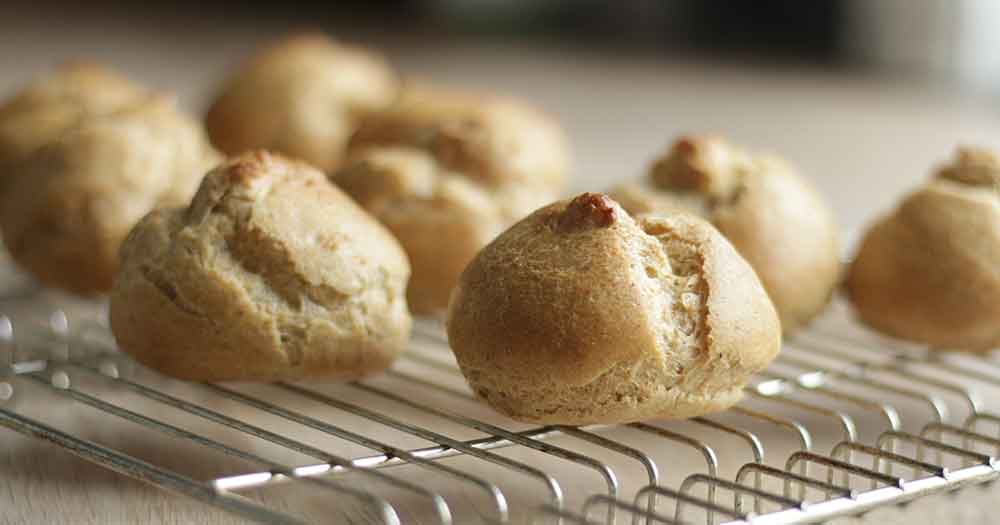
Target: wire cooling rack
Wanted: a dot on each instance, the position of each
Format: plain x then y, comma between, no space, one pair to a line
843,424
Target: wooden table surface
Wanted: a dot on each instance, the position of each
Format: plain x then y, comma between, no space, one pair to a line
862,139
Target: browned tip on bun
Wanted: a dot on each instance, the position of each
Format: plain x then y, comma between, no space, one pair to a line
973,166
929,271
588,210
246,167
704,164
772,215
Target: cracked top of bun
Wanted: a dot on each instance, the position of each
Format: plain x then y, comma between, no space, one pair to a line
581,313
490,139
773,217
271,273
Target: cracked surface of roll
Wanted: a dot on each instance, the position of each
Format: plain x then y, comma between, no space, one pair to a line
70,204
301,96
271,273
777,221
930,270
446,172
45,109
582,314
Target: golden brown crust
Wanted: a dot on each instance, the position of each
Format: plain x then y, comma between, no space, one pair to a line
581,314
777,222
69,205
972,166
446,172
51,105
930,271
270,274
302,96
491,139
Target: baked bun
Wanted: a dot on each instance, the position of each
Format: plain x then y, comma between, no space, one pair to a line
47,108
446,172
270,274
773,217
302,96
581,314
930,270
70,204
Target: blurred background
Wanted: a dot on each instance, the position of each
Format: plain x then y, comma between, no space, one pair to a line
864,96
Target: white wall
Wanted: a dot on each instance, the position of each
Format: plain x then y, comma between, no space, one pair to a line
954,39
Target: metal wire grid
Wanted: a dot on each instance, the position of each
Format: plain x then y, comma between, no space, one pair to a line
821,374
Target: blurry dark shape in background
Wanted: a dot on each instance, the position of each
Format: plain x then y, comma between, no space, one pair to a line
786,28
776,27
951,40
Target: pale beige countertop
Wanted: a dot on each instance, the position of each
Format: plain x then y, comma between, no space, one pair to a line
862,139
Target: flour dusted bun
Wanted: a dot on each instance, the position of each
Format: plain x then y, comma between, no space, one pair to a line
302,96
446,172
930,270
69,205
777,221
581,314
49,106
270,274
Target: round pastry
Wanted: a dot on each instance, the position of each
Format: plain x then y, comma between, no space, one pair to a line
777,222
303,97
270,274
446,172
70,204
930,270
48,107
581,314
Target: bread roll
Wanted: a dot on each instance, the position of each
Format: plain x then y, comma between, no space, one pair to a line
47,108
930,270
270,274
580,314
302,96
777,221
70,204
446,172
